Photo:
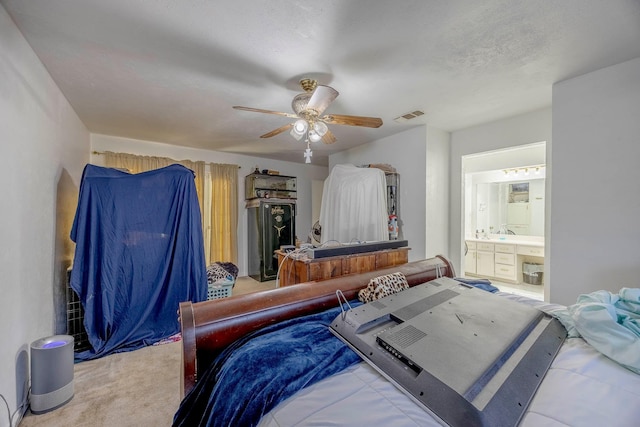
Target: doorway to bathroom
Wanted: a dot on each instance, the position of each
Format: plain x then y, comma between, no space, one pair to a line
504,215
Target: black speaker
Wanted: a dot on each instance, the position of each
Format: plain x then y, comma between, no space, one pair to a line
51,373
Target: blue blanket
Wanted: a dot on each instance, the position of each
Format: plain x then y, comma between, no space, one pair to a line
253,375
609,322
483,284
139,253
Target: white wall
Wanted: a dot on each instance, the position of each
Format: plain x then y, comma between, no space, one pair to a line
595,201
305,174
420,157
518,130
506,158
43,150
437,193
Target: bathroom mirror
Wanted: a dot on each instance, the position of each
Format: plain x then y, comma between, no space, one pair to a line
505,203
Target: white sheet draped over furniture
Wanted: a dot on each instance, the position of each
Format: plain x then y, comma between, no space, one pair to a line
354,205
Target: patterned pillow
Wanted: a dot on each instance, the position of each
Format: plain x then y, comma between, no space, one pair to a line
383,286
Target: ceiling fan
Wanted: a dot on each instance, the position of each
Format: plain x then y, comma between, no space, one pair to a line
310,123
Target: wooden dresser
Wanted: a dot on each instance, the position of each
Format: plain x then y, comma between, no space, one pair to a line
305,269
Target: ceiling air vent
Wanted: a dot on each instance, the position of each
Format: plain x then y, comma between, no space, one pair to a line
408,116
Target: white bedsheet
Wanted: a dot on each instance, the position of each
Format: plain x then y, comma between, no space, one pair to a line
354,205
582,388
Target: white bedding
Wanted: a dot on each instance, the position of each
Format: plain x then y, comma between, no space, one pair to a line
582,388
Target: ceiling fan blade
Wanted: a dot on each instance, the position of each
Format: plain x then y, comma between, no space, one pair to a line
277,131
340,119
328,138
321,97
259,110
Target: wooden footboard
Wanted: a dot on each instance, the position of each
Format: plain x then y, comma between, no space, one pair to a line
208,327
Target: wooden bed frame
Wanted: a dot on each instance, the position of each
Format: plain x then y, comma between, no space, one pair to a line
208,327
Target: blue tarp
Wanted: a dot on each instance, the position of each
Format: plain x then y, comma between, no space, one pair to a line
139,253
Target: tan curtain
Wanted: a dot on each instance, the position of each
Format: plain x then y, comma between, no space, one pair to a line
224,213
134,163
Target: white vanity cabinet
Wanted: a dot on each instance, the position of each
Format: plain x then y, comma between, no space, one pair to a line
530,254
485,261
470,258
500,260
505,262
536,251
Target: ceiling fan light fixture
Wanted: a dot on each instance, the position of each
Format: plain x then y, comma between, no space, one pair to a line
300,126
313,136
316,106
320,128
295,134
300,101
310,125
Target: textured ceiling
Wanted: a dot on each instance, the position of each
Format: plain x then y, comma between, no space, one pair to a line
170,71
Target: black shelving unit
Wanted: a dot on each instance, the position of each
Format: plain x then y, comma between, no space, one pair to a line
75,319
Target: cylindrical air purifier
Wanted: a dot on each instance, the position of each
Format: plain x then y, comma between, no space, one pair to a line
51,373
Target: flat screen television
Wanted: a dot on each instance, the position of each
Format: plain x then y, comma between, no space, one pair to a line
469,357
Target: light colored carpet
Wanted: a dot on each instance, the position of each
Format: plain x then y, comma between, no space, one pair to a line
136,388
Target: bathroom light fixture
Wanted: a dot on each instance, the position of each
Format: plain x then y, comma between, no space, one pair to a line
514,172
